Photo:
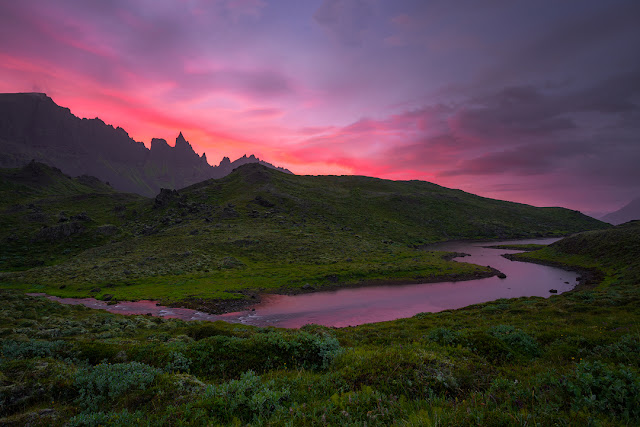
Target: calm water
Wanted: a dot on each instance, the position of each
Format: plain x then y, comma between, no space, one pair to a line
350,307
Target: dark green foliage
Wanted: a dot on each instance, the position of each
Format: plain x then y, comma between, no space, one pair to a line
488,346
444,336
97,385
397,370
11,349
223,356
96,351
621,351
123,418
210,329
516,339
178,363
247,398
598,387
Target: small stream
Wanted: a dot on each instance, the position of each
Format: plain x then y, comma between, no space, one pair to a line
356,306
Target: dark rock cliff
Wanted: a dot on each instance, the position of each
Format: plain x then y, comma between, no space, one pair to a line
34,127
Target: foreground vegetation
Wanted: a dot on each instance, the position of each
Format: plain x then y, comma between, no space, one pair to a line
256,230
570,359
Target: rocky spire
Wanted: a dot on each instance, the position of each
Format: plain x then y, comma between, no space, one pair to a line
181,142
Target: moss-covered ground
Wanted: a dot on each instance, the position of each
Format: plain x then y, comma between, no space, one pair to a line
256,230
571,359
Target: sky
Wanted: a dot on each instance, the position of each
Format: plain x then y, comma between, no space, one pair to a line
536,102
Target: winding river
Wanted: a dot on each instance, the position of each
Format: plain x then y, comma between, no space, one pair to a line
355,306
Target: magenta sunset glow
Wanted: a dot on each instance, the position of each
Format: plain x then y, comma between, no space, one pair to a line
534,102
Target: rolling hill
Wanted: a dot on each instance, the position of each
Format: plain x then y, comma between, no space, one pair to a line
256,229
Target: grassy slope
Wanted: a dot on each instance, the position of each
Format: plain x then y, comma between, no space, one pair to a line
38,197
260,229
570,359
614,251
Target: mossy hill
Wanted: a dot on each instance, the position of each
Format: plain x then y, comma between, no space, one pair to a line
254,230
571,359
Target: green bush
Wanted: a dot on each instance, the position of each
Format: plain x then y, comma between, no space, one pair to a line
397,370
27,349
96,351
516,339
95,419
224,357
178,363
487,346
210,329
624,350
607,390
366,406
248,398
444,336
99,384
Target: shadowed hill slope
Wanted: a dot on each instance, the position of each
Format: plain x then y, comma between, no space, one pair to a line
412,212
37,180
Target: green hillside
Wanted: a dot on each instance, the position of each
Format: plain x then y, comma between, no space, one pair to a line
47,217
255,230
614,251
571,359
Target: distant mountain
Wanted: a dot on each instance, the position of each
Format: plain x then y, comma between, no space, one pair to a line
627,213
33,127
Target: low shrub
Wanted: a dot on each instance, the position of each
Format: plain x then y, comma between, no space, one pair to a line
487,346
102,383
248,398
27,349
96,352
95,419
444,336
397,370
517,340
224,357
612,391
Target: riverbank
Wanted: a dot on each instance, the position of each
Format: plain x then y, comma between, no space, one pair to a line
348,304
250,298
568,359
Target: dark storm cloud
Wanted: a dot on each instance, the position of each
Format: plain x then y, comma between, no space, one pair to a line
529,159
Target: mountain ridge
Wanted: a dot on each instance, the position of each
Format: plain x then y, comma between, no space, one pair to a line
34,127
628,212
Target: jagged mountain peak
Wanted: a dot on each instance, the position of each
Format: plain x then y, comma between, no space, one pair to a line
33,126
